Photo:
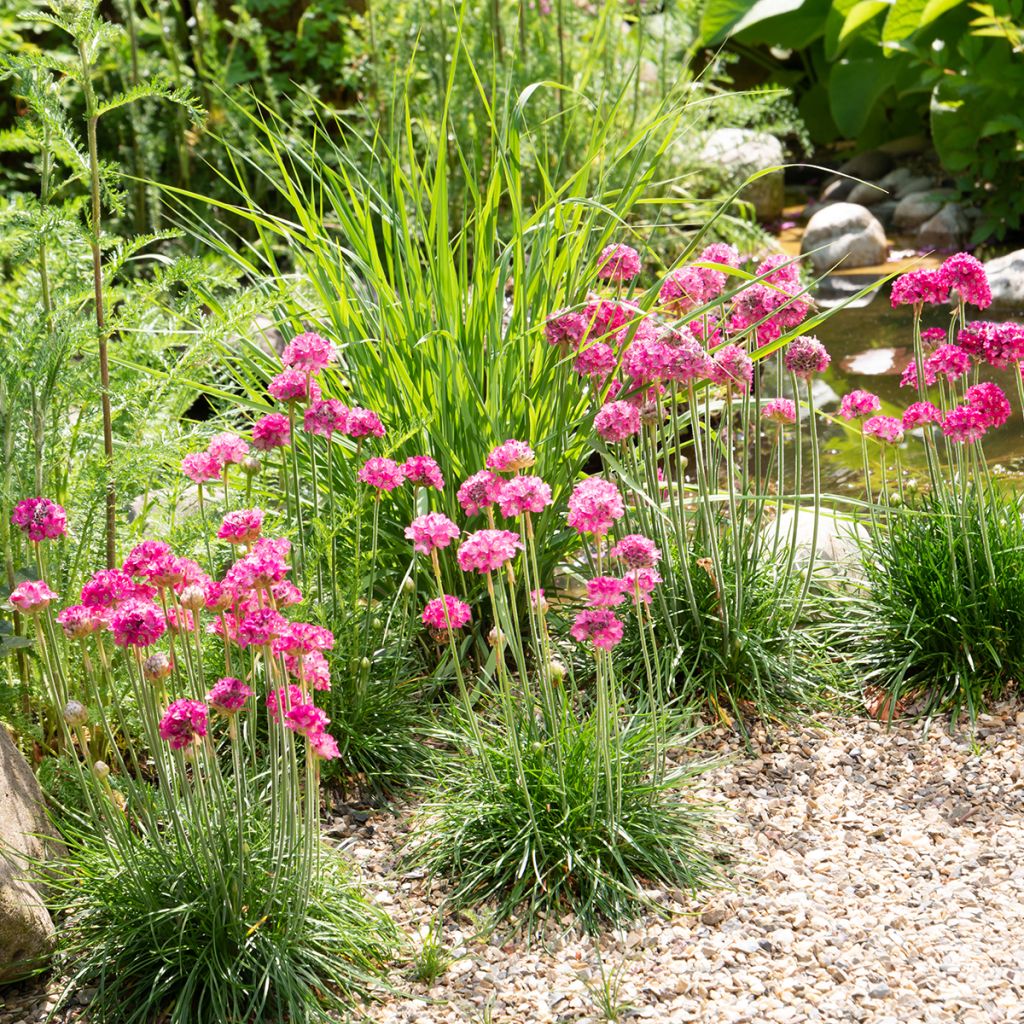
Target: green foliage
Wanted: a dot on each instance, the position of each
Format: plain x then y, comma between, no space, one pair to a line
431,959
887,67
478,830
930,634
151,932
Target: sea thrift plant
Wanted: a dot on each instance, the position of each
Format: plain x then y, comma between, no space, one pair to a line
40,519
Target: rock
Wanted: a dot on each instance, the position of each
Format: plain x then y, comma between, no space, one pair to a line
946,230
26,931
838,547
883,212
1006,279
907,145
740,153
844,233
917,207
867,194
912,183
869,165
837,190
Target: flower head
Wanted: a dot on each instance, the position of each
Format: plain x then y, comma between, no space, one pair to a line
283,699
605,591
430,532
324,746
293,386
918,414
884,428
434,613
312,667
107,588
308,352
733,367
157,666
201,467
183,723
487,550
949,361
40,519
137,623
300,638
228,448
595,504
522,494
79,621
599,626
261,626
858,405
805,356
965,424
382,473
965,275
565,327
242,526
423,471
325,416
510,457
306,719
618,263
363,423
919,287
480,491
779,410
228,695
617,421
596,359
989,400
32,596
636,552
272,431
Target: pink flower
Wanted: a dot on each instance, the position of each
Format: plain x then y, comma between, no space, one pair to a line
725,256
618,263
636,552
293,386
641,583
686,361
423,471
228,695
458,613
858,405
137,623
964,424
32,596
261,627
950,361
617,421
933,335
595,360
480,492
384,474
430,532
682,290
78,621
605,591
806,356
779,410
183,722
153,560
40,518
228,448
107,588
965,275
1002,344
918,287
538,601
989,400
920,413
884,428
324,417
285,593
306,719
510,457
272,431
242,526
200,467
909,376
312,668
308,352
524,494
565,327
487,550
363,423
300,638
599,626
324,746
595,504
260,569
733,367
283,699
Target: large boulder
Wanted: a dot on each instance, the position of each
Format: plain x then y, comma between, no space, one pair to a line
945,231
846,234
1006,278
917,207
26,838
739,153
868,193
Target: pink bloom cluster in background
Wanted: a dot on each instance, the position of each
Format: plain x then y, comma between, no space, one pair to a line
961,278
183,723
32,596
40,519
779,410
858,405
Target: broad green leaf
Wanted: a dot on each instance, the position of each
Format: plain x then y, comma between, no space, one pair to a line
935,9
855,86
10,644
723,18
860,14
903,20
954,131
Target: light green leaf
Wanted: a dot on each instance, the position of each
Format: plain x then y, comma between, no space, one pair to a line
935,9
903,20
860,14
723,18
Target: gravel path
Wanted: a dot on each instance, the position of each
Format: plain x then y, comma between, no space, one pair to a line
879,878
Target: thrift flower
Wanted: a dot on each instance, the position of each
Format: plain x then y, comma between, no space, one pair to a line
306,719
618,263
363,423
300,638
858,405
487,550
228,448
884,428
599,626
324,417
524,494
293,386
183,722
430,532
261,627
384,474
242,526
308,352
201,467
32,596
458,613
605,591
228,695
806,356
989,400
137,624
636,552
965,424
965,275
283,699
78,621
480,492
40,519
949,361
733,367
918,414
919,287
617,421
423,471
157,666
779,410
595,504
324,746
272,431
510,457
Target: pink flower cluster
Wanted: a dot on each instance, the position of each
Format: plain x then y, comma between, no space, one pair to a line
884,428
431,532
618,263
961,277
488,550
228,695
223,451
32,596
183,723
242,526
858,405
779,410
40,519
458,612
594,506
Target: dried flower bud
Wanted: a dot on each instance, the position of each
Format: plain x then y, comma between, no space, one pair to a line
157,667
251,465
193,598
119,799
76,714
101,770
557,672
495,637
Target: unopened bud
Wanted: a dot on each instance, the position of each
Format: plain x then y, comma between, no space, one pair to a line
495,637
251,465
364,665
193,598
157,667
101,770
75,714
557,672
409,585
